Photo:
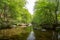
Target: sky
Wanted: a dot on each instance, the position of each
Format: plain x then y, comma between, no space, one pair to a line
30,5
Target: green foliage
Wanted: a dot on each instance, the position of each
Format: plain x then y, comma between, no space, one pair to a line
47,16
26,16
13,11
11,7
44,12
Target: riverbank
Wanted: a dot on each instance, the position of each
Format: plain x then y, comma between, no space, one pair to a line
18,33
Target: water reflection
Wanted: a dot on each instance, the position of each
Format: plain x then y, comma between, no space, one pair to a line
58,36
31,36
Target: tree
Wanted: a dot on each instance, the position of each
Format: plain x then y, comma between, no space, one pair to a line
10,10
25,16
46,12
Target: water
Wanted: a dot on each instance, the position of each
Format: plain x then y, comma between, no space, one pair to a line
31,36
58,36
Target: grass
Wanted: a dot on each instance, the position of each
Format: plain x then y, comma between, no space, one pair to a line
19,33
